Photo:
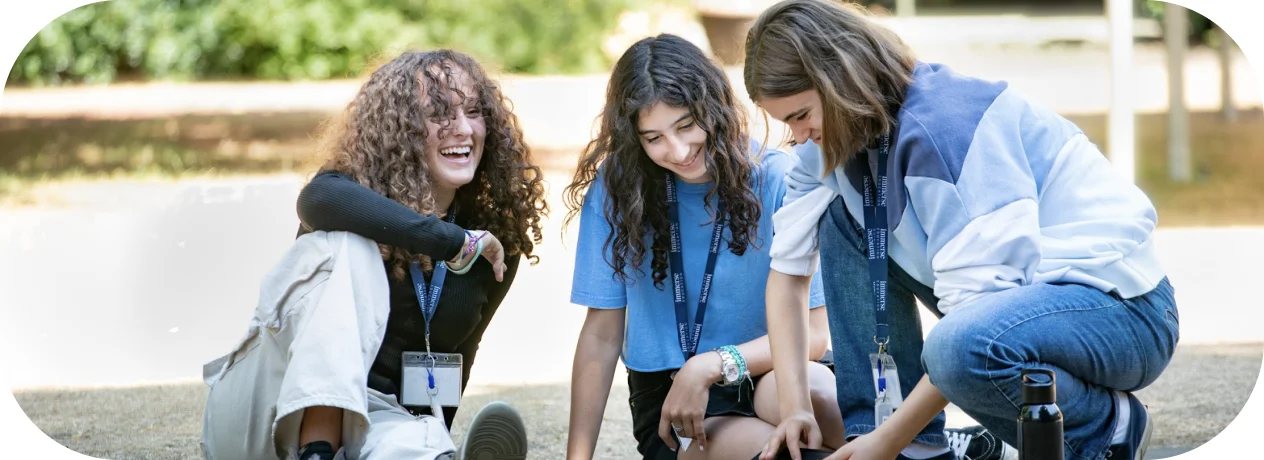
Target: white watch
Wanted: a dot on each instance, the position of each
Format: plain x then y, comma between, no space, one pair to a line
730,370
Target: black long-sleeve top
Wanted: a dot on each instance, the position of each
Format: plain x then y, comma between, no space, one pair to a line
333,201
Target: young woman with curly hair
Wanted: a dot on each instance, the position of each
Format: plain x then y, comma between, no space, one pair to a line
428,175
671,177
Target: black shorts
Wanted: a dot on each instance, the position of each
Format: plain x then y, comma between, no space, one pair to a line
648,390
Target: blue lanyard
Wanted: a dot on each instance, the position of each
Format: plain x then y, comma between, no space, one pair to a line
689,334
876,237
875,209
428,293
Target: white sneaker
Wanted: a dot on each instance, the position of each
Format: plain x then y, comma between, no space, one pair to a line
977,443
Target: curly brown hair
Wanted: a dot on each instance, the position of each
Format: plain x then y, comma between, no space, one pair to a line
380,141
671,70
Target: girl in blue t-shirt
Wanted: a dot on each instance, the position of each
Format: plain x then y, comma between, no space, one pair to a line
678,297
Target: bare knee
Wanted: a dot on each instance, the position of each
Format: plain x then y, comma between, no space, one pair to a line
829,416
823,389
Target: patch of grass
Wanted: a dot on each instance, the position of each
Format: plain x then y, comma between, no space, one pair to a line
254,142
1228,158
40,152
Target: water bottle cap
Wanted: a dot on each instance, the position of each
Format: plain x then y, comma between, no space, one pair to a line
1039,387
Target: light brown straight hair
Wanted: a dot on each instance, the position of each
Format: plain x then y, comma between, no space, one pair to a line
860,69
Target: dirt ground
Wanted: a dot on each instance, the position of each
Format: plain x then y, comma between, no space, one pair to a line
164,422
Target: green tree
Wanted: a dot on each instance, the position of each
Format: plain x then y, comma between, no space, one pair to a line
301,39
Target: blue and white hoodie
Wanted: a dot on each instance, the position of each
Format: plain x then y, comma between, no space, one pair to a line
988,191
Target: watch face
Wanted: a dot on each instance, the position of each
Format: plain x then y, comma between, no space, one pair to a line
730,372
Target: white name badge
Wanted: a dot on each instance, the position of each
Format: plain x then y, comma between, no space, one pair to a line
416,379
891,399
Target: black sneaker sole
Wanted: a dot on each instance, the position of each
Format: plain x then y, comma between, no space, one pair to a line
497,433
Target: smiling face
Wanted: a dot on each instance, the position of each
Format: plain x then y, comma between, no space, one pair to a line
672,139
454,143
800,111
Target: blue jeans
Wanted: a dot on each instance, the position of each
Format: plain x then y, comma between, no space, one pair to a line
1095,343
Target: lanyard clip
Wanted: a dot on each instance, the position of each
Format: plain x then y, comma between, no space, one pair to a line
881,368
431,388
431,360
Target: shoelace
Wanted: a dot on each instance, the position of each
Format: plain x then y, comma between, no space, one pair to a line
959,442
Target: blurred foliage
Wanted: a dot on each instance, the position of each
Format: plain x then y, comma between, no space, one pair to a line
1200,28
308,39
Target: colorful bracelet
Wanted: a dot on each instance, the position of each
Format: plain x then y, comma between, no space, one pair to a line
465,251
741,360
469,248
466,269
473,240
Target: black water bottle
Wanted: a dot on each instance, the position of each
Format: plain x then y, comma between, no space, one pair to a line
1040,420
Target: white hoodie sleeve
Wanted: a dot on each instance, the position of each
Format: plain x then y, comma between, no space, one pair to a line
794,248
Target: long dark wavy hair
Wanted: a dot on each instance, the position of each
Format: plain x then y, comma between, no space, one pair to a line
666,69
380,141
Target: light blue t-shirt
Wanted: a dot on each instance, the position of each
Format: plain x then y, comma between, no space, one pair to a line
735,312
